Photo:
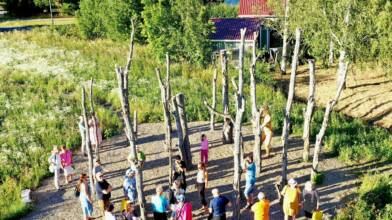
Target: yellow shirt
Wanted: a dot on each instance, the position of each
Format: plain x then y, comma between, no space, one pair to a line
261,210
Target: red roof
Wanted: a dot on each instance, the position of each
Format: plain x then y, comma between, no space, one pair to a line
254,8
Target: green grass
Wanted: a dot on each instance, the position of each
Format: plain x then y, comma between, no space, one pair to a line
37,21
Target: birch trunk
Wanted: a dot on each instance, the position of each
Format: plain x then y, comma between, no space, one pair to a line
166,114
285,37
240,108
286,125
331,53
255,113
95,129
342,73
212,121
309,110
180,99
88,143
180,135
122,78
168,87
227,134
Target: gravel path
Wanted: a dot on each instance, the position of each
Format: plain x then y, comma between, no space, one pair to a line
339,184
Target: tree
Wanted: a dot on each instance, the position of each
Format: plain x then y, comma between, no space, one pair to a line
95,123
88,143
287,121
122,79
180,28
212,115
285,36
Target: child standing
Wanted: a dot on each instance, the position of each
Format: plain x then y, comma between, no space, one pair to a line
204,149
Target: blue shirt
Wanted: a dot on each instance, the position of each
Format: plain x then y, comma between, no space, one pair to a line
251,173
218,206
159,203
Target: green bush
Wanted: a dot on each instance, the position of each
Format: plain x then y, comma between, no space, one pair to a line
221,10
318,179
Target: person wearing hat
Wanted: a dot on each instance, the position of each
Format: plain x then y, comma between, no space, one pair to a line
55,166
261,208
129,212
129,186
183,209
291,200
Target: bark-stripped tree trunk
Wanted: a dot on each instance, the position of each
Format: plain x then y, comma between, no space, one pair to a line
309,110
135,125
287,121
166,115
95,129
88,143
240,109
342,73
255,111
180,99
227,135
212,121
168,88
331,53
180,135
285,37
122,78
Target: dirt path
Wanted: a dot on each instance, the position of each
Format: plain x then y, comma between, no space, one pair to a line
339,185
368,93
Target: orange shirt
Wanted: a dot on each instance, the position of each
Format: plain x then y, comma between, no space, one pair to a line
261,210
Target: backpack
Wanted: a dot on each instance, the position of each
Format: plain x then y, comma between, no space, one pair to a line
76,191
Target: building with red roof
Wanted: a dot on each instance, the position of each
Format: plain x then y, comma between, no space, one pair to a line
254,9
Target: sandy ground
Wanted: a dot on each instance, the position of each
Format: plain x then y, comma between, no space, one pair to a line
338,187
368,93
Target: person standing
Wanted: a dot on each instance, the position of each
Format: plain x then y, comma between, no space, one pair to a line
97,168
109,212
201,184
291,200
55,166
204,149
180,172
66,163
250,169
129,212
159,204
183,209
95,133
103,191
85,197
266,128
129,186
218,205
261,208
82,131
310,201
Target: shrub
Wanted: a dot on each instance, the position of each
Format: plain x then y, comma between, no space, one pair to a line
221,10
318,179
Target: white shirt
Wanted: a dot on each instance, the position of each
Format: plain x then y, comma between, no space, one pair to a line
109,216
201,176
55,160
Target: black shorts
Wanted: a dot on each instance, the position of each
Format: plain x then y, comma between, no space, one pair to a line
308,214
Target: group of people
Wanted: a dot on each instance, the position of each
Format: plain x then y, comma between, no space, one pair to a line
95,132
61,160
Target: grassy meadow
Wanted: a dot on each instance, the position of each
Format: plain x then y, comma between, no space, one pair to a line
42,72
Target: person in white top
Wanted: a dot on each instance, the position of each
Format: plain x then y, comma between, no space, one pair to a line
55,165
109,213
202,183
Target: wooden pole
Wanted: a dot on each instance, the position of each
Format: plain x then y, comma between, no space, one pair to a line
212,115
285,37
88,143
95,129
309,110
287,121
342,73
227,135
180,100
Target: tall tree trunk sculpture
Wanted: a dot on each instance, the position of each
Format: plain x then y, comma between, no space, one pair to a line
180,100
342,75
135,125
88,143
309,110
95,129
212,121
240,109
227,134
287,121
122,78
285,37
166,113
255,112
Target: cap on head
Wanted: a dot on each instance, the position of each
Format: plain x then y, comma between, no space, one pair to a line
261,196
292,182
130,172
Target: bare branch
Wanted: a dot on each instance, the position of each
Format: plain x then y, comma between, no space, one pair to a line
130,54
218,113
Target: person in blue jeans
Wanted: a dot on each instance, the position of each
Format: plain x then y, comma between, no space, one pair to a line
250,169
159,204
218,205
